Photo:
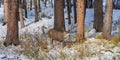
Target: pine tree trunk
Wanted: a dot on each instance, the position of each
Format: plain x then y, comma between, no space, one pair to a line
80,19
69,10
98,15
119,27
12,33
108,19
6,11
30,4
20,15
75,13
59,15
36,11
0,4
52,3
39,6
25,7
45,2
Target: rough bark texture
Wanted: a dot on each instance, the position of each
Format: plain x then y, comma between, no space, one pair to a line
80,19
36,11
98,15
20,15
69,10
6,12
12,26
59,15
108,20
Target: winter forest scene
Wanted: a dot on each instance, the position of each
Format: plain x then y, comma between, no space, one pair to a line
59,29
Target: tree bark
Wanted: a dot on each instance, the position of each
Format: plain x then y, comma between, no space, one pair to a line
30,4
75,13
20,15
69,10
80,19
39,6
6,11
108,19
52,3
59,15
25,7
36,11
12,26
98,16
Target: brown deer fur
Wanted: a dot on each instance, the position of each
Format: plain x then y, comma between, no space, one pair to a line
57,35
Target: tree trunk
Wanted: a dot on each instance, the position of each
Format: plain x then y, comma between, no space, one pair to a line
89,3
69,10
45,2
52,3
20,15
25,7
80,19
30,4
0,4
36,11
108,20
12,33
39,6
59,15
6,11
75,13
98,15
119,27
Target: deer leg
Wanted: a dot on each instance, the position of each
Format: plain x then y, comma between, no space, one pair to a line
51,42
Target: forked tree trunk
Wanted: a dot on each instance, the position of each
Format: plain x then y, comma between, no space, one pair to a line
36,11
108,19
80,19
59,15
98,15
12,26
20,15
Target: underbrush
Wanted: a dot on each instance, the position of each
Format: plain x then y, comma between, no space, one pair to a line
31,43
36,46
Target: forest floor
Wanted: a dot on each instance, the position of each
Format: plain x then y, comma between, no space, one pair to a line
35,43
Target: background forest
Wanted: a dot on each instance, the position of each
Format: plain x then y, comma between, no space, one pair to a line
59,29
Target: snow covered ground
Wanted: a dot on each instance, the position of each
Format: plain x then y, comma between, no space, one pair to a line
91,49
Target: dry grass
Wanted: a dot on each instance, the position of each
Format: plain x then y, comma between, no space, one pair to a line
31,43
36,46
